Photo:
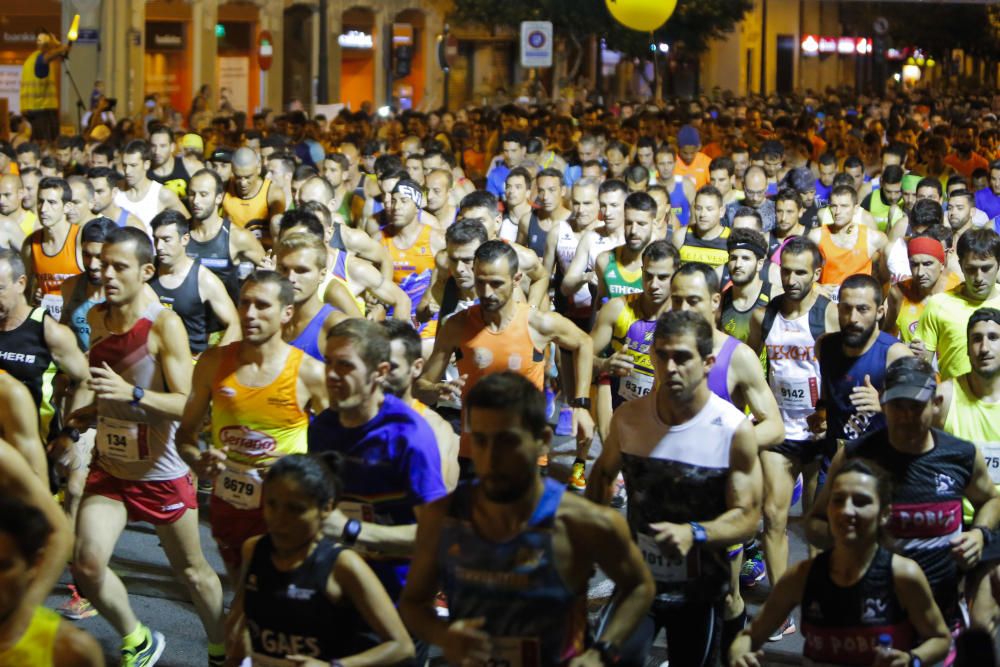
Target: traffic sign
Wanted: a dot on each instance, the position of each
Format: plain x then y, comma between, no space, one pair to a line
536,44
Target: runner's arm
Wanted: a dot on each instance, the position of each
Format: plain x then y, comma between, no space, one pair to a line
70,360
743,493
606,467
355,578
817,523
170,201
576,274
755,337
367,248
914,593
384,289
428,386
784,598
213,292
385,540
533,270
416,604
312,375
339,296
768,427
175,360
197,406
20,426
74,647
19,481
245,246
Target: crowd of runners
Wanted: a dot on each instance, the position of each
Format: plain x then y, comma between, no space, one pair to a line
357,338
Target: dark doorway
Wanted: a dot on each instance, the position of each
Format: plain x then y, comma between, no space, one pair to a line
785,64
297,70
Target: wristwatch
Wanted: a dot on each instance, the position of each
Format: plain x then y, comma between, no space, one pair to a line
137,394
71,433
700,536
915,661
581,403
610,655
351,531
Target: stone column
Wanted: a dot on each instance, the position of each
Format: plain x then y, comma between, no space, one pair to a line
383,41
272,19
204,44
433,76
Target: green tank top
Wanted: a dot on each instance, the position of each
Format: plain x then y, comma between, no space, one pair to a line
619,281
885,215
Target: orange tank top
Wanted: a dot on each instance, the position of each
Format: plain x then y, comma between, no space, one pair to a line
258,424
413,261
53,270
840,263
252,213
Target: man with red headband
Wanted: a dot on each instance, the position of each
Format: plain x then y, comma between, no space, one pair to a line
929,275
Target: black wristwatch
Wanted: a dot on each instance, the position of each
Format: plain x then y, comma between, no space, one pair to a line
915,661
580,403
71,433
137,394
351,531
610,655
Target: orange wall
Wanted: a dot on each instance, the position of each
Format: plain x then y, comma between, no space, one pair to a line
357,80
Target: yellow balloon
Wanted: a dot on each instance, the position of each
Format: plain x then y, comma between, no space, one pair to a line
641,15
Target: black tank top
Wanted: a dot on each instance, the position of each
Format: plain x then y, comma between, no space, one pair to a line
289,612
840,375
926,505
536,236
25,354
185,300
841,625
214,256
177,178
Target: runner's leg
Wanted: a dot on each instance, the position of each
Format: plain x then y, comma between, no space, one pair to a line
100,523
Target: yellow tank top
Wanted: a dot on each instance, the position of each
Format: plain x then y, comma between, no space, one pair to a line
28,221
911,310
341,272
252,213
36,645
258,424
634,336
978,422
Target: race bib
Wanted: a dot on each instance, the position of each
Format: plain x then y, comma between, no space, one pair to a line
359,511
991,452
635,385
664,569
797,394
54,304
514,652
240,486
122,440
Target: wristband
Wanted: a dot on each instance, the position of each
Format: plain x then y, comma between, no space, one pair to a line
351,531
137,394
580,403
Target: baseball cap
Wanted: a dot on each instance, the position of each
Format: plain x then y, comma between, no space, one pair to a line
221,155
910,382
193,141
100,133
688,136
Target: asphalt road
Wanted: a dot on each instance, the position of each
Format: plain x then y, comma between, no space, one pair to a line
161,602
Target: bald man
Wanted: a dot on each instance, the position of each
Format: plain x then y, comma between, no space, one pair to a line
346,238
250,201
15,222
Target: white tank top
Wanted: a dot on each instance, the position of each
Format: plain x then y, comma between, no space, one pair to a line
899,262
146,208
793,371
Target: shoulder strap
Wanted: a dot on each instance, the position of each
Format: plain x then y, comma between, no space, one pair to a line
817,316
770,312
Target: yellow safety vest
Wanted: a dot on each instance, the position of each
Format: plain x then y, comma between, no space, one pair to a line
37,94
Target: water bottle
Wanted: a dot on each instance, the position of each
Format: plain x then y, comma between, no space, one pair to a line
884,648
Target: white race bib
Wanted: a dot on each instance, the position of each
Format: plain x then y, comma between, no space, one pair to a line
240,486
635,385
514,652
359,511
122,440
797,393
991,452
664,569
54,304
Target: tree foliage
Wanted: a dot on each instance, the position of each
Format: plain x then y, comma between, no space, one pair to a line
693,24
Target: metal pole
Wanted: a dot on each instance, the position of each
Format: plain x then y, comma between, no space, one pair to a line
323,85
447,66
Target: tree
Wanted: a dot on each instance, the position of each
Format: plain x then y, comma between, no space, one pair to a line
693,24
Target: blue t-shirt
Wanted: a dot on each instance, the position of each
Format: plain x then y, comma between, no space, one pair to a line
391,465
988,202
496,180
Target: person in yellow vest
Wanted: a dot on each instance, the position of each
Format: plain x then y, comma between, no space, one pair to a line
40,89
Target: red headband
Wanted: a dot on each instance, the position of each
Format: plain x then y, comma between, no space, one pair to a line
925,245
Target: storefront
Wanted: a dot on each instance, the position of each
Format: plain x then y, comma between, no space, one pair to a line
18,23
168,57
237,73
357,42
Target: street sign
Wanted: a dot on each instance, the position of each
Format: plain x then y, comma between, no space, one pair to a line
880,25
87,36
265,50
536,44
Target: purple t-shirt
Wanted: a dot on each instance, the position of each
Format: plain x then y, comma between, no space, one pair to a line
391,465
988,202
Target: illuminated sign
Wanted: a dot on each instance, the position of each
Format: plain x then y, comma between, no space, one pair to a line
355,39
810,45
827,45
814,45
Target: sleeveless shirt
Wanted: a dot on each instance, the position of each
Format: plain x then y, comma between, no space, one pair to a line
215,256
634,336
718,375
36,647
839,263
308,340
52,270
840,374
146,208
185,300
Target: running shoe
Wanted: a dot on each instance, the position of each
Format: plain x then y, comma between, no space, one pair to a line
797,490
620,496
787,628
752,572
578,478
77,607
216,660
145,654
